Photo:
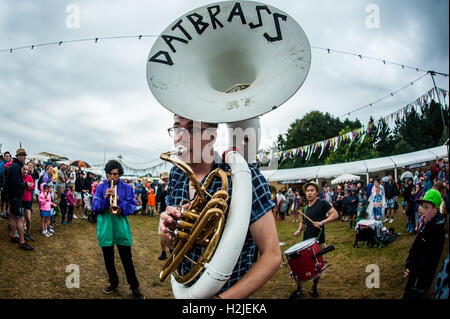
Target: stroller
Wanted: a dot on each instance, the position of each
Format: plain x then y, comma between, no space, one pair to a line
87,200
366,232
374,234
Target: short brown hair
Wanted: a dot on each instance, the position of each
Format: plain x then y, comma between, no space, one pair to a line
213,125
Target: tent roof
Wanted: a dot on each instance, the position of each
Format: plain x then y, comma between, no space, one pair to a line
358,167
45,156
345,178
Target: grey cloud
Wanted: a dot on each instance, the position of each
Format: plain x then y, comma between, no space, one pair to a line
78,98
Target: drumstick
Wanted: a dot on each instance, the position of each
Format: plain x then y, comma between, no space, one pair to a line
312,222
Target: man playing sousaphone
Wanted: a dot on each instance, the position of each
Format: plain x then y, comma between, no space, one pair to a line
318,212
113,201
247,276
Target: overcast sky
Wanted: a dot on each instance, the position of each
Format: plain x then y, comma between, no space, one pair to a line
80,99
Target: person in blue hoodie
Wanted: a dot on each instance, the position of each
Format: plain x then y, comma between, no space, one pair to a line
115,229
4,198
428,184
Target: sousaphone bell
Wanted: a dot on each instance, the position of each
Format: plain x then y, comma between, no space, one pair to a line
228,62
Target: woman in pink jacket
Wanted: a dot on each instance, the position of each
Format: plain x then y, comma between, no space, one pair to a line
94,187
27,200
71,202
45,205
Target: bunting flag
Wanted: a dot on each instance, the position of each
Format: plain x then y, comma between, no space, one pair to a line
306,151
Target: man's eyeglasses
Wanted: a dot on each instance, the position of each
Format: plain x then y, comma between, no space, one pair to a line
175,131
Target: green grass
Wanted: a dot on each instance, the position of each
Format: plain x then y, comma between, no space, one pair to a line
42,273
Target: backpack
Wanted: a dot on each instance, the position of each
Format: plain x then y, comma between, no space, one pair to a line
3,177
284,206
40,181
5,171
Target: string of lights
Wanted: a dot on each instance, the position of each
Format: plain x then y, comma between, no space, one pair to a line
385,97
384,61
139,37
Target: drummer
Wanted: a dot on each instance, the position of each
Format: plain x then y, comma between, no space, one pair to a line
320,212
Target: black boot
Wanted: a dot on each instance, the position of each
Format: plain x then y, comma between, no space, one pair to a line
163,255
137,294
297,293
314,292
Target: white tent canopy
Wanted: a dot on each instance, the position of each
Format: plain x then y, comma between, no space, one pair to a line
45,156
358,167
345,178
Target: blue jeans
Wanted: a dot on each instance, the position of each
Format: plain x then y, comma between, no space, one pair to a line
63,213
417,217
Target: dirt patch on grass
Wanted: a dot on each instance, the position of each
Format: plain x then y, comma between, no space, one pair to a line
42,272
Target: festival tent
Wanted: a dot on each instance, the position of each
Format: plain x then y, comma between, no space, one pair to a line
345,178
359,167
406,174
45,156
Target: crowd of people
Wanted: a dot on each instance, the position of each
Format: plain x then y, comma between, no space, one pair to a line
59,190
425,203
378,199
65,191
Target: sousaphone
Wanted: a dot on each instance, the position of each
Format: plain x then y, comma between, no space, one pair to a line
228,62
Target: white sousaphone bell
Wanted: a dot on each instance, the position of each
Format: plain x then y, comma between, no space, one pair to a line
228,62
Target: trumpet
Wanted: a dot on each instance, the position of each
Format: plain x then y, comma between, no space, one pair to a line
113,207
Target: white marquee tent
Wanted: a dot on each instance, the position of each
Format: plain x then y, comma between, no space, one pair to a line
345,178
359,167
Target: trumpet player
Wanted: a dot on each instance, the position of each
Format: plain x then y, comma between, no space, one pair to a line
113,201
247,276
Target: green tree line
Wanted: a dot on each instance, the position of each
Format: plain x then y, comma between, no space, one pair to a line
414,132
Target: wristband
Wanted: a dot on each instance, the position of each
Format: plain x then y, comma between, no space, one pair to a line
321,223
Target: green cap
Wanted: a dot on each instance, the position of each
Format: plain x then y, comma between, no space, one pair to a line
432,196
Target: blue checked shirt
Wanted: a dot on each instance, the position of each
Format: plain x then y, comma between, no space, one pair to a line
178,189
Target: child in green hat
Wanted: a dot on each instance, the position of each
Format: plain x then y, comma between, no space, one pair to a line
426,250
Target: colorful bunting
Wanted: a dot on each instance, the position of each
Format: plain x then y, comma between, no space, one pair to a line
420,103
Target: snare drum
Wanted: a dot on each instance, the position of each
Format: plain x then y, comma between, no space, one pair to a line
304,263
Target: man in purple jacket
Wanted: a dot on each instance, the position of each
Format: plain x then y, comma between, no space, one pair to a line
114,229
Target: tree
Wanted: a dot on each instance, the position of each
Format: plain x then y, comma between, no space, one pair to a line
420,131
381,136
415,131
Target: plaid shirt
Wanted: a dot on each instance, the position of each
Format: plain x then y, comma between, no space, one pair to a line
178,189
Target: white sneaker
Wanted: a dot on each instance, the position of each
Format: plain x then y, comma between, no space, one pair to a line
50,230
385,220
84,217
75,216
44,233
391,220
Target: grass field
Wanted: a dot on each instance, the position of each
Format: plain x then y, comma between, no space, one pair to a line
42,272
